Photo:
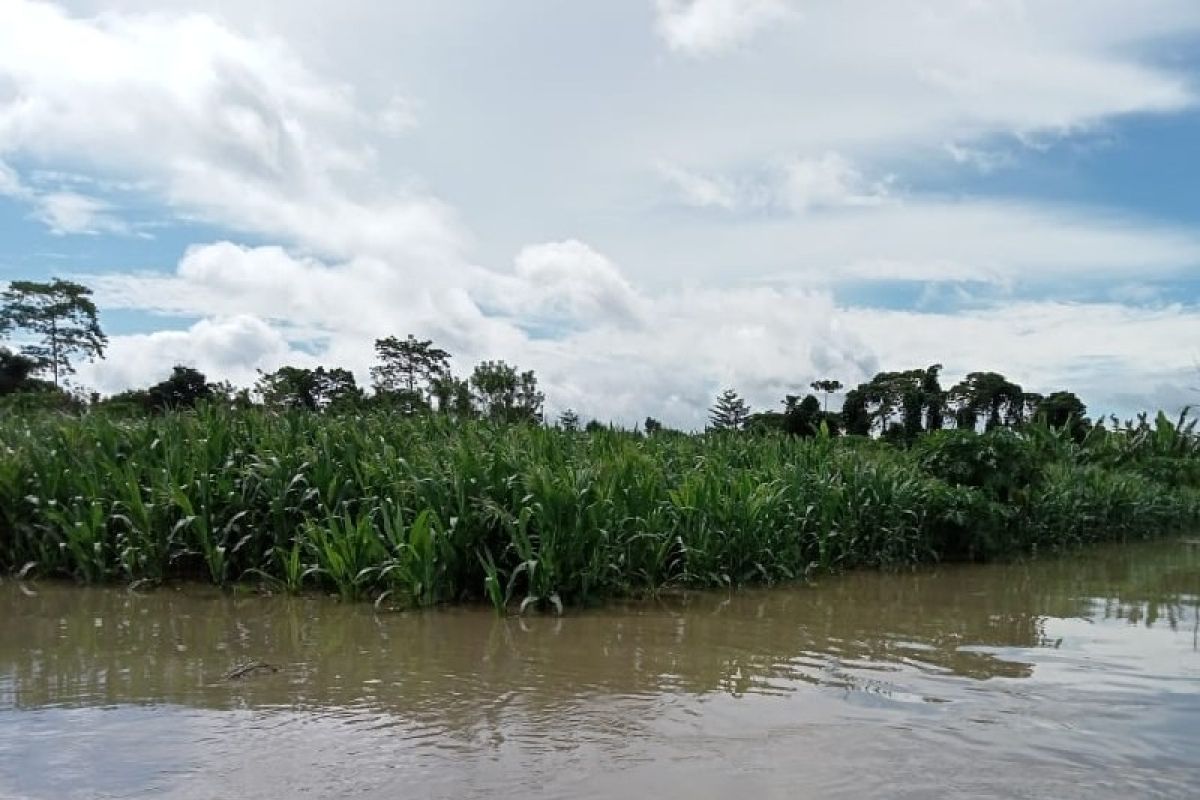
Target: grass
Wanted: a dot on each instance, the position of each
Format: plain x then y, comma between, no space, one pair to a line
422,511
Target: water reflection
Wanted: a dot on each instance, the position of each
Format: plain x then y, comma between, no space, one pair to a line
938,657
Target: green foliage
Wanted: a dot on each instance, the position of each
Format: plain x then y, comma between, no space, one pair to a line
415,511
317,389
61,319
989,395
506,395
412,372
15,371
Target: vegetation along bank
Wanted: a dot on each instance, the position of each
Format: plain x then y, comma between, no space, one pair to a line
433,489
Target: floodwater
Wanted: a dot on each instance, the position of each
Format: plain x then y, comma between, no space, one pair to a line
1073,677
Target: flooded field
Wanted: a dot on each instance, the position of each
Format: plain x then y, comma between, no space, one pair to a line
1072,677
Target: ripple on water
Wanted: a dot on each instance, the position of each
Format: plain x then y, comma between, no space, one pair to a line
1072,678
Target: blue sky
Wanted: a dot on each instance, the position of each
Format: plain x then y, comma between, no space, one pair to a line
644,200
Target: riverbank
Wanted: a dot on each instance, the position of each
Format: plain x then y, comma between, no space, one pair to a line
421,511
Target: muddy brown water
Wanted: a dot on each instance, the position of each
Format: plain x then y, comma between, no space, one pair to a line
1071,677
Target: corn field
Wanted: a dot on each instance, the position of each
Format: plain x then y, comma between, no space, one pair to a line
418,511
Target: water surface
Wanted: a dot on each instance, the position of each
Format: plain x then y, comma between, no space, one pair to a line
1073,677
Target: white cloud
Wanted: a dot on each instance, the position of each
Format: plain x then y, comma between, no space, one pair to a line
981,159
10,182
829,180
702,191
698,27
232,130
226,348
563,284
276,121
796,185
71,212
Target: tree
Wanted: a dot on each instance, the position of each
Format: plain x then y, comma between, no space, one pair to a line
652,426
1064,410
317,389
827,387
915,395
765,421
729,412
453,395
408,367
801,417
506,395
183,389
569,420
62,319
856,420
15,371
990,395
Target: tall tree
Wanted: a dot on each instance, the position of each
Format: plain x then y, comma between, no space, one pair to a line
729,412
504,394
826,387
408,367
62,319
989,395
914,395
856,419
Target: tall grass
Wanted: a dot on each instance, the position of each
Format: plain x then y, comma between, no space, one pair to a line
421,511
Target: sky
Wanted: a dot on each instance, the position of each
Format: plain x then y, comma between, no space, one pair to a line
645,201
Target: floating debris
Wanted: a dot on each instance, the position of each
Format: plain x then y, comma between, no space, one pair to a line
251,668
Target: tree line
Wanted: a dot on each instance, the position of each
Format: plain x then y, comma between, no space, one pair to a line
900,406
58,323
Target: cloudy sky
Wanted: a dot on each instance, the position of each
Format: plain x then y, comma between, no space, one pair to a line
644,200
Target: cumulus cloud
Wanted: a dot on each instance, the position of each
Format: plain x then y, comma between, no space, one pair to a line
232,130
230,348
698,27
563,284
295,137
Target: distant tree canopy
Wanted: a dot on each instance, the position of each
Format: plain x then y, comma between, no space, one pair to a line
317,389
988,396
55,323
15,371
506,395
186,387
1064,410
411,373
826,387
568,420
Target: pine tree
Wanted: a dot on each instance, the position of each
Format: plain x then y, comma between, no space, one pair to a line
729,412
